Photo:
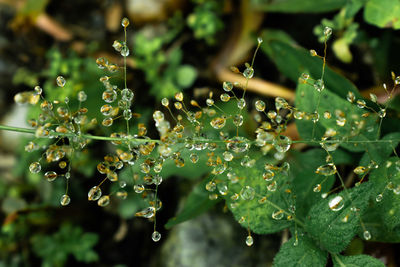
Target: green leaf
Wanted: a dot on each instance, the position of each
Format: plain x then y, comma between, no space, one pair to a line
383,13
380,151
258,216
185,76
356,261
307,99
328,226
293,60
298,6
305,253
389,206
197,203
303,168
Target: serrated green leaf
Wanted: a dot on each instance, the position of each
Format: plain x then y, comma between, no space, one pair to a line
305,253
389,206
383,13
258,217
299,6
307,99
356,261
327,226
380,151
197,203
293,60
303,168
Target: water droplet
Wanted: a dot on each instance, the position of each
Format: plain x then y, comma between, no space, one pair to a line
127,114
373,97
329,144
350,97
117,45
94,193
248,73
268,175
367,235
65,200
260,105
361,103
225,97
336,203
249,240
122,194
125,22
282,143
327,31
82,97
109,96
222,188
326,170
247,193
313,53
156,236
127,94
238,144
38,90
317,188
277,215
50,176
218,123
379,198
107,122
241,103
210,186
281,103
227,156
103,201
360,170
210,102
298,115
319,85
213,196
341,121
138,188
101,63
61,81
382,113
327,115
124,51
238,120
227,86
146,213
35,167
272,186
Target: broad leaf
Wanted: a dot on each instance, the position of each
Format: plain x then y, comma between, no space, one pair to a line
386,181
258,216
356,261
299,6
197,203
305,179
305,253
335,229
293,60
380,151
356,127
383,13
